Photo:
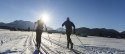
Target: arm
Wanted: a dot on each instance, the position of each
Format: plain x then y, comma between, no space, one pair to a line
73,27
45,27
63,24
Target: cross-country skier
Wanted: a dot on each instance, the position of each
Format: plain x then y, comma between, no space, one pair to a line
68,25
39,29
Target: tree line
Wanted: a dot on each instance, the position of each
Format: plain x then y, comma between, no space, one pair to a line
14,28
102,32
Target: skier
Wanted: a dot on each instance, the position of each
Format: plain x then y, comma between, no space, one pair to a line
68,25
39,29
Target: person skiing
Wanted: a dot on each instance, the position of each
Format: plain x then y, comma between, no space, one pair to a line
68,25
39,29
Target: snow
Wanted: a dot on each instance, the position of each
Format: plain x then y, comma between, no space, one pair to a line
17,42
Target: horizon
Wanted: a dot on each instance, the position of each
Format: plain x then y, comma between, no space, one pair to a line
64,28
85,13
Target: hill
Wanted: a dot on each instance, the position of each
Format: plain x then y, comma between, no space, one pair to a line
19,24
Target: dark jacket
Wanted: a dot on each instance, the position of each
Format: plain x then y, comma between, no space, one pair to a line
68,24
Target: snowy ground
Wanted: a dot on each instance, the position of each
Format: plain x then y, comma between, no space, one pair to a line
17,42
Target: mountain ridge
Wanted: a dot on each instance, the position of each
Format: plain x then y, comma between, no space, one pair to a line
20,24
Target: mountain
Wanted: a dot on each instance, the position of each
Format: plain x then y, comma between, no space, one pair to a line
20,24
2,24
103,32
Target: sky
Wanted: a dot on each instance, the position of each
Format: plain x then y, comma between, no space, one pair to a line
108,14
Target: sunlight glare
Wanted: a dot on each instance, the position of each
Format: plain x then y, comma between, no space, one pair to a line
45,17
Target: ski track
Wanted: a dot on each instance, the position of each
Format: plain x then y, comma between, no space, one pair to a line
13,46
79,49
16,45
63,46
24,43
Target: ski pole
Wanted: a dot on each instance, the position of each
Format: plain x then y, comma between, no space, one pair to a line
49,38
32,32
59,37
33,28
60,34
79,40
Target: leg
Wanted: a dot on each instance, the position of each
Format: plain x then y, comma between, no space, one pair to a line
67,41
70,41
39,39
68,32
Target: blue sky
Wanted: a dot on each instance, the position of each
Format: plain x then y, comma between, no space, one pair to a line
84,13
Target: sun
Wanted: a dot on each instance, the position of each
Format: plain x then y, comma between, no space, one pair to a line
45,17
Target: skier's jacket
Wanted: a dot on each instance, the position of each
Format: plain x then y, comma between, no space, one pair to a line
68,24
39,24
